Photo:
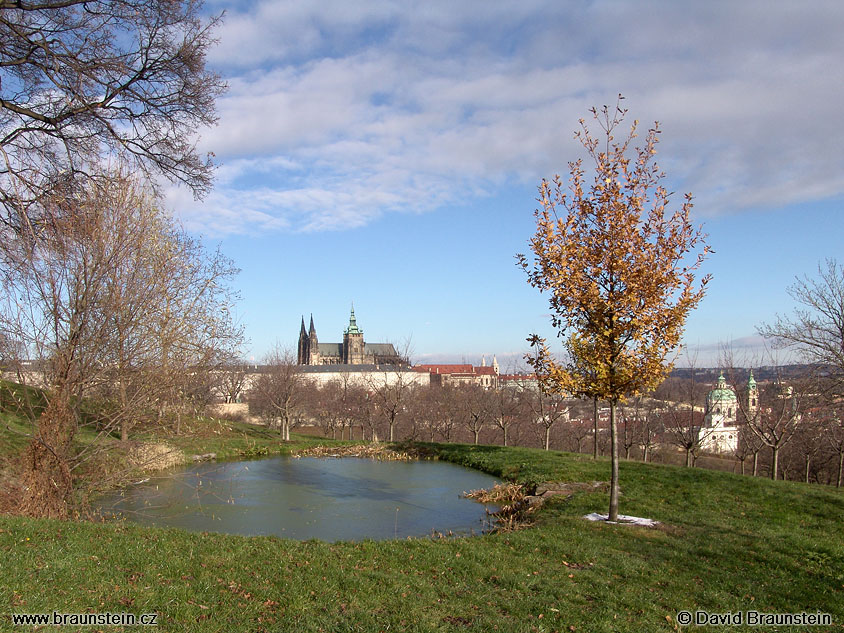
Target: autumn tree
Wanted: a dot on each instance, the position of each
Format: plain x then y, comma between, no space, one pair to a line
619,268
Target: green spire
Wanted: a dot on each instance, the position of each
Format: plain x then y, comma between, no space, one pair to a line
353,324
751,382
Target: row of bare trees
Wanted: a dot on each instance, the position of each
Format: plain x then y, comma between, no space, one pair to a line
792,430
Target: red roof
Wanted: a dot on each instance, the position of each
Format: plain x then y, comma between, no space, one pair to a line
444,369
485,371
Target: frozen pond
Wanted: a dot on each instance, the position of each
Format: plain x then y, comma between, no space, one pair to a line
330,499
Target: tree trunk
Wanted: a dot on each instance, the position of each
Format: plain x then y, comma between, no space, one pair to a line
840,468
645,452
504,428
594,429
547,438
688,457
755,463
476,435
742,466
775,454
47,480
392,425
808,463
613,515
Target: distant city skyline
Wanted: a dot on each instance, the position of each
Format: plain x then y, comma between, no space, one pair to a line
389,157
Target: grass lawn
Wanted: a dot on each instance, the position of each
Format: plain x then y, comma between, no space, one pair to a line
730,543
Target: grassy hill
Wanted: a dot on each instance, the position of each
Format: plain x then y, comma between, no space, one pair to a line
728,543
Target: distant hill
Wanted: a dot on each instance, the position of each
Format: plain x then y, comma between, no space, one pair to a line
763,373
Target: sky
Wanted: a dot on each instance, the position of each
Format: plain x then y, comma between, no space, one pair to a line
389,153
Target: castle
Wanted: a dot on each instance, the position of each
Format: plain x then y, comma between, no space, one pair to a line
352,351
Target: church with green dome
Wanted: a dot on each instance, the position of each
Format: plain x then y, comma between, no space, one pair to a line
719,433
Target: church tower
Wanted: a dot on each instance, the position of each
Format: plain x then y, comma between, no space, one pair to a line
353,346
752,401
304,351
313,345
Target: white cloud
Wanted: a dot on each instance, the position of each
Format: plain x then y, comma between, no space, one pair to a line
340,112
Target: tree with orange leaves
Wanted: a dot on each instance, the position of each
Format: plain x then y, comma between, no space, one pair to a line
620,270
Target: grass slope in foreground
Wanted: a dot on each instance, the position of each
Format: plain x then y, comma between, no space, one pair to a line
730,544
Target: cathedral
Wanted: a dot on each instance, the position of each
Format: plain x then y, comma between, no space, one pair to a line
352,351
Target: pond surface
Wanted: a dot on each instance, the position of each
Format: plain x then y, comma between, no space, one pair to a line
330,499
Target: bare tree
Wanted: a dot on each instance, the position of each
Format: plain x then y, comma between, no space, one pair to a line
748,445
815,331
278,392
774,417
83,298
505,410
475,409
391,392
85,79
232,380
683,415
546,410
834,434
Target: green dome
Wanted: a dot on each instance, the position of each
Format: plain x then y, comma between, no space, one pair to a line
722,394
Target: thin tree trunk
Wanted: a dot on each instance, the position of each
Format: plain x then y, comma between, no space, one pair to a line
476,436
594,429
548,439
774,462
504,428
840,468
613,515
756,463
808,463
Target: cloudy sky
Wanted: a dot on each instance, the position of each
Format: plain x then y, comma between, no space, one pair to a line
388,154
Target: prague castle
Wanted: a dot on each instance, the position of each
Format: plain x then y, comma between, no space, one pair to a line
352,351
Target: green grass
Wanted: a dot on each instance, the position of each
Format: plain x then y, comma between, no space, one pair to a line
729,544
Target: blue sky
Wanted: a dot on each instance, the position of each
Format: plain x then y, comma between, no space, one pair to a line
389,155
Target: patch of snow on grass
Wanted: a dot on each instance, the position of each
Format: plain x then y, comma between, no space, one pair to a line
622,519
